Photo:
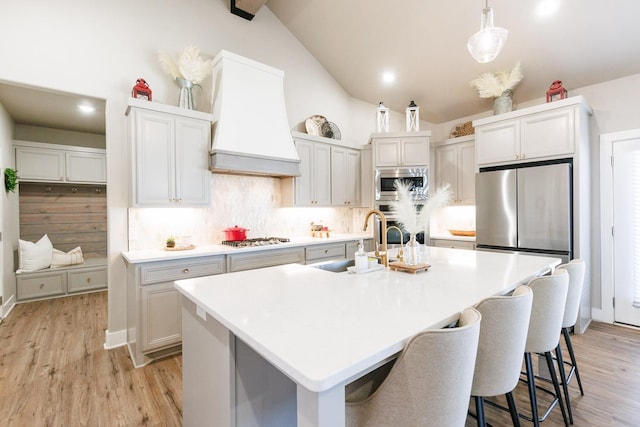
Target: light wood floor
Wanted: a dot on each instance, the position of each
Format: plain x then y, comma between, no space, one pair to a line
54,371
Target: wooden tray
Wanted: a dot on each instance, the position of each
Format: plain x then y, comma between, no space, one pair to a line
401,266
180,248
463,232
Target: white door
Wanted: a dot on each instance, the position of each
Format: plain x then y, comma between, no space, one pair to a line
626,222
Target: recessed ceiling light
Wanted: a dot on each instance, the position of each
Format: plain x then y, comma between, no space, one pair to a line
547,8
86,108
388,77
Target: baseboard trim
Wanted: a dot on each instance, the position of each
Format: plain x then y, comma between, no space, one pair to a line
115,339
6,308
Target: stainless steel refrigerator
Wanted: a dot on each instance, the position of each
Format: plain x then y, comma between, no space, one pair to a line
525,208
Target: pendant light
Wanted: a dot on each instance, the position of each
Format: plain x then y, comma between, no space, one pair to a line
487,43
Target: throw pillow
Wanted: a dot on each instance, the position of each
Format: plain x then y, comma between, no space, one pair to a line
61,259
34,256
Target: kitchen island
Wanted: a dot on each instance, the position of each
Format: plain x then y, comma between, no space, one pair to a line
276,346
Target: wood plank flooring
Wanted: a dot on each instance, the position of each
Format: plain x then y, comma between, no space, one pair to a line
54,371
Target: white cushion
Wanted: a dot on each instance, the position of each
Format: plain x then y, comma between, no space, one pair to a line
34,256
61,259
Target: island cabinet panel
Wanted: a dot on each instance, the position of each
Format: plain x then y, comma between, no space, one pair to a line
154,325
261,259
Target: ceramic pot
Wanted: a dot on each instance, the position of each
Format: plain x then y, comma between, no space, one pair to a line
235,233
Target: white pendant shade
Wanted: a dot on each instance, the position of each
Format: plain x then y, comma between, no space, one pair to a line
487,43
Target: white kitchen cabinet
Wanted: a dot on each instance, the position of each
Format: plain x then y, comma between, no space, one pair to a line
454,244
455,165
313,186
345,176
538,133
170,153
401,149
41,162
153,304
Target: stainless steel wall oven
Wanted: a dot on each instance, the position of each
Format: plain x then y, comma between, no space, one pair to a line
393,236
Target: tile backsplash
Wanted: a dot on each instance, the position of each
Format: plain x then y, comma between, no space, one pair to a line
249,202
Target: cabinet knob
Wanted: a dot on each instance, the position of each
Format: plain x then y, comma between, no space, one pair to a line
178,200
186,270
522,156
515,156
326,251
41,285
88,279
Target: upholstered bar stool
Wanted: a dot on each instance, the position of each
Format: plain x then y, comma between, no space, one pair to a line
576,270
547,312
503,334
429,384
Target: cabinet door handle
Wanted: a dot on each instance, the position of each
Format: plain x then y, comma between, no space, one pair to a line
88,279
186,270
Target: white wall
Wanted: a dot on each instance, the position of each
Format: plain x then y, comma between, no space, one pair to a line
9,222
58,136
100,49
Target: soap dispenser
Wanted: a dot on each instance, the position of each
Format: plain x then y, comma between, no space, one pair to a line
362,261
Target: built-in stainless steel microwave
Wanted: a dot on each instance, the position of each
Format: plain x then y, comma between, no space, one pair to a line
385,180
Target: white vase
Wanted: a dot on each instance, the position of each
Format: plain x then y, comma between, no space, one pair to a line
503,103
412,251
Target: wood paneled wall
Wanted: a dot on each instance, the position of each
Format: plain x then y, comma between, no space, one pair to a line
72,215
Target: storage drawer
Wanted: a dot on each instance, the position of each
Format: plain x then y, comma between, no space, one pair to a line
328,251
86,280
169,271
42,285
262,259
454,244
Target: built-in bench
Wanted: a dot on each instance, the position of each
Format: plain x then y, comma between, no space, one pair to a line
89,276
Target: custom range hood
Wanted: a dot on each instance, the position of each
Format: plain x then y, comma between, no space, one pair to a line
251,134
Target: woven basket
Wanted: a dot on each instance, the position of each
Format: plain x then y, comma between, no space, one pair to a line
462,129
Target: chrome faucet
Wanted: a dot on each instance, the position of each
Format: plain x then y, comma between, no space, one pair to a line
400,253
381,250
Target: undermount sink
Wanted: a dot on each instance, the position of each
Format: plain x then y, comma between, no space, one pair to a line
337,266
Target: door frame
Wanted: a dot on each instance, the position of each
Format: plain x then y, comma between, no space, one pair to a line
607,312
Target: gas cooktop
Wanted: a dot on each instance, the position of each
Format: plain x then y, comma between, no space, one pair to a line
260,241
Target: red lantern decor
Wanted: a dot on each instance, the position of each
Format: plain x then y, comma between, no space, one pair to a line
556,89
141,90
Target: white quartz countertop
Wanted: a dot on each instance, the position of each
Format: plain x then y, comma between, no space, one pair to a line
322,329
150,255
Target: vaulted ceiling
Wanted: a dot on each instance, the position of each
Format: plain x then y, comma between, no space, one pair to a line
423,42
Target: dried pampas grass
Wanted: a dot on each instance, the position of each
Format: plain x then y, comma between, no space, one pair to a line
490,85
190,65
405,211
